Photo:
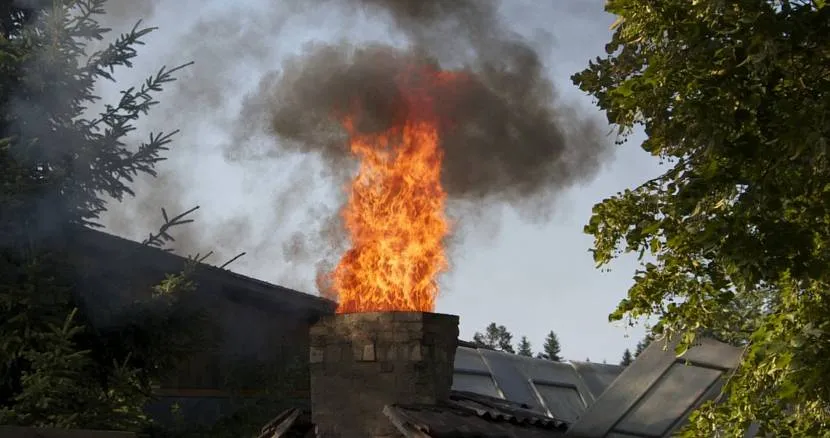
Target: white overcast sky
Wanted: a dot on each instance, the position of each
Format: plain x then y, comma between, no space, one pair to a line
532,278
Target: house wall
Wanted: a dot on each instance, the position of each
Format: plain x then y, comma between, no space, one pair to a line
261,357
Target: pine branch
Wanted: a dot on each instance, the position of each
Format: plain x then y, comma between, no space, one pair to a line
118,53
160,239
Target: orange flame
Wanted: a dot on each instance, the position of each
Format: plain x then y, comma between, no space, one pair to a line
395,210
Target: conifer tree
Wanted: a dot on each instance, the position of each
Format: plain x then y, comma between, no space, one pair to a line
643,344
551,348
58,165
627,358
524,348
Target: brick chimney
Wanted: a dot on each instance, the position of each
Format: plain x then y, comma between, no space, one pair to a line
361,362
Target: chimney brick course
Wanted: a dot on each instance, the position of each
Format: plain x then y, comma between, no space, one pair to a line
361,362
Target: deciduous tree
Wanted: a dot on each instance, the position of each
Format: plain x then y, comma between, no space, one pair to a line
733,98
495,337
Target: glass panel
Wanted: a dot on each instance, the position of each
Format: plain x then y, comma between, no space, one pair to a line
564,403
597,377
514,384
478,384
668,400
469,359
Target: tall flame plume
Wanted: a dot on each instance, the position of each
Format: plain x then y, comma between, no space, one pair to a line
395,212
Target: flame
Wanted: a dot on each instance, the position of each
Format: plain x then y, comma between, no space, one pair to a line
395,210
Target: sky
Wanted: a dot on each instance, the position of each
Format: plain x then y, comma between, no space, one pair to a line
531,275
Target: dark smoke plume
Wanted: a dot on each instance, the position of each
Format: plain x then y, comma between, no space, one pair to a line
519,144
513,139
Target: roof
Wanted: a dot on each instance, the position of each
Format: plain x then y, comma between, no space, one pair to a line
558,389
464,415
105,246
497,394
469,415
654,396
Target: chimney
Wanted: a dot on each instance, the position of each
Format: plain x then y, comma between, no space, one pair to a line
361,362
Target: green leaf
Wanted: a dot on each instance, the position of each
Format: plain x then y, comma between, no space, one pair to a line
733,93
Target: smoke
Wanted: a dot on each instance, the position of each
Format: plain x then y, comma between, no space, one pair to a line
121,13
197,105
514,140
284,160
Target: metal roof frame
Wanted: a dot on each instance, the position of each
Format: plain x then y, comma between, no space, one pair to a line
649,380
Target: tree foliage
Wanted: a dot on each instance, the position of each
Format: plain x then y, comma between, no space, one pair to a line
733,97
495,337
643,344
524,348
57,168
627,358
551,348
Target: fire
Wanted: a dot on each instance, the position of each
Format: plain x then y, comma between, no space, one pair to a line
395,210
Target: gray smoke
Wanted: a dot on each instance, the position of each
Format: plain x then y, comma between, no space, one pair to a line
514,140
195,104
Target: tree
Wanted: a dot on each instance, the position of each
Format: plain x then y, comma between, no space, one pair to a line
495,337
551,348
643,344
505,340
627,358
524,348
57,167
734,99
488,339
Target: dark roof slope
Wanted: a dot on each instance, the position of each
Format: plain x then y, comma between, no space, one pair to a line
464,415
468,415
111,248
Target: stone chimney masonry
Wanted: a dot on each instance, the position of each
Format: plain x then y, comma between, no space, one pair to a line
361,362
